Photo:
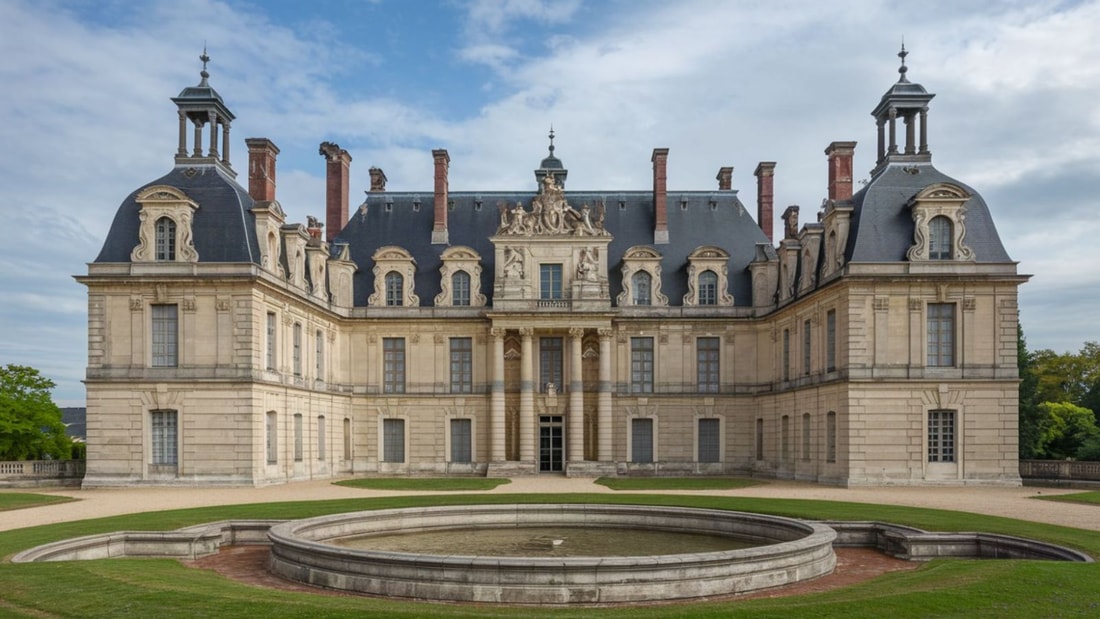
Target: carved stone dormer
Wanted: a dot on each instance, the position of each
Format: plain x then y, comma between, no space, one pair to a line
295,239
394,270
641,278
341,269
708,278
765,277
810,239
837,223
269,221
460,278
939,224
317,262
790,250
164,234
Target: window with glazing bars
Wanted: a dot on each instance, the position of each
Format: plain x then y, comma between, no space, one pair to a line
393,365
710,436
941,334
462,364
706,364
941,436
165,319
641,365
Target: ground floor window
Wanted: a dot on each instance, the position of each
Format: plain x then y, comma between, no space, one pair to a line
393,440
164,437
641,440
830,437
271,433
710,435
298,437
941,436
461,444
321,437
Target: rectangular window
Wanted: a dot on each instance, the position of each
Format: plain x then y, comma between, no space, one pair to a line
271,340
461,440
462,364
710,436
164,437
347,439
319,346
830,437
165,335
321,437
271,432
641,365
549,281
785,436
807,347
393,440
830,341
393,365
641,440
706,364
941,436
941,334
298,438
759,439
550,362
806,445
786,354
297,349
460,288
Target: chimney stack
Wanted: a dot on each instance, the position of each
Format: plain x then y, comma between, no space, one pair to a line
660,195
840,169
765,196
377,179
336,188
725,179
261,169
439,228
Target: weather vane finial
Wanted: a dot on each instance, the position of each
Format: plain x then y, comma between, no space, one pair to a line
205,59
551,139
903,69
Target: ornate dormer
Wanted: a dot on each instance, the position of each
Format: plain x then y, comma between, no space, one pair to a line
551,166
203,106
909,102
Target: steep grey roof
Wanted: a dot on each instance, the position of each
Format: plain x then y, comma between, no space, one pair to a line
694,219
223,228
882,225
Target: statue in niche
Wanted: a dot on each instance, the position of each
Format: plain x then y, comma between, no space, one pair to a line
513,263
587,265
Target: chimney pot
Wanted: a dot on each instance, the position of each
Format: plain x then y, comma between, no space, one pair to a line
840,169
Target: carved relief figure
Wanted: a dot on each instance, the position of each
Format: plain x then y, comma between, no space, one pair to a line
513,262
550,214
588,265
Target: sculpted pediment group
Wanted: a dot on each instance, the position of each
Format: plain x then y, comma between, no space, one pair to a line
551,215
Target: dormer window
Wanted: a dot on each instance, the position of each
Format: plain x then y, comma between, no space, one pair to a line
164,234
166,239
708,279
394,269
641,278
460,278
395,285
460,288
939,238
939,224
708,288
641,284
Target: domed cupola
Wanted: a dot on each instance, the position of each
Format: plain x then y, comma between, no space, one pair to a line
909,102
551,166
203,107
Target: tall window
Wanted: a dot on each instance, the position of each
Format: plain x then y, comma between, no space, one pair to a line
319,347
461,441
271,432
641,284
462,363
806,436
807,347
939,238
785,437
786,354
298,437
271,340
941,334
164,437
759,439
641,440
165,335
297,349
706,364
549,281
395,289
830,437
550,362
393,365
641,365
393,440
166,239
460,288
830,341
941,436
347,439
321,437
710,435
708,288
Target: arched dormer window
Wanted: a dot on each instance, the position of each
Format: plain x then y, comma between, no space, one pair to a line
708,288
460,278
166,239
708,278
460,288
395,289
939,238
642,288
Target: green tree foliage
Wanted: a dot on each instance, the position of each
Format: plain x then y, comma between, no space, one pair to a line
1031,417
1067,428
30,423
1048,378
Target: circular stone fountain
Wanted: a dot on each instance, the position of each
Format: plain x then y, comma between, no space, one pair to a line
314,551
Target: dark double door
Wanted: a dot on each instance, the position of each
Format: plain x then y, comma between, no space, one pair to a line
551,444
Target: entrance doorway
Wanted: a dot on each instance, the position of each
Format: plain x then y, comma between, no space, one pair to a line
551,444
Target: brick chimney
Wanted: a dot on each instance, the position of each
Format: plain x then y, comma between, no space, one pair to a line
439,228
261,169
336,188
660,195
765,196
840,169
725,179
377,179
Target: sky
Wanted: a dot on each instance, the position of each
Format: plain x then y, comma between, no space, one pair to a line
86,116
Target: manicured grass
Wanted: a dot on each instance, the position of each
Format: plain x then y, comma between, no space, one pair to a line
165,588
19,500
433,484
1080,497
641,484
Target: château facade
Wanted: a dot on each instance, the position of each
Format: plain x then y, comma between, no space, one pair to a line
547,331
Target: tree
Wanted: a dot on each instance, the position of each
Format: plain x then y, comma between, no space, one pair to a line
1068,430
30,423
1031,417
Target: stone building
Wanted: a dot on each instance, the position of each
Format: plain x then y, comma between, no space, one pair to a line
540,331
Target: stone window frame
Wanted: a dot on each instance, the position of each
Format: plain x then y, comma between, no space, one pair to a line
456,259
637,259
159,202
392,258
946,200
708,258
942,435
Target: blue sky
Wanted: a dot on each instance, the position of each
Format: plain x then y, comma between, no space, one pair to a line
87,116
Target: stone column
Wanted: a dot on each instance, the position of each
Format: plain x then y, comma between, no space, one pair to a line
197,150
576,397
225,142
910,134
893,132
881,140
213,152
496,414
603,425
924,131
526,396
182,150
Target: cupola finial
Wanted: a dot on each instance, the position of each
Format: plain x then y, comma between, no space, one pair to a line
205,59
903,69
551,139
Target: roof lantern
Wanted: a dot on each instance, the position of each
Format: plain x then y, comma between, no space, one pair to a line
203,107
909,102
552,166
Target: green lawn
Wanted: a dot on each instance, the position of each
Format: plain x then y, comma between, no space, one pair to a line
165,588
1080,497
641,484
432,484
19,500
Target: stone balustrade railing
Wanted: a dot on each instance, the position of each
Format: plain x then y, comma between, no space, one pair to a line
38,472
1062,470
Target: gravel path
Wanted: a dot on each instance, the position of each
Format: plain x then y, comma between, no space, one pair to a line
1009,502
